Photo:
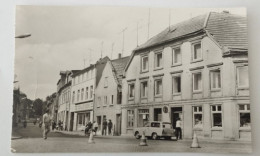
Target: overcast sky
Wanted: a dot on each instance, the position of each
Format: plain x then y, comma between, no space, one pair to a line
63,36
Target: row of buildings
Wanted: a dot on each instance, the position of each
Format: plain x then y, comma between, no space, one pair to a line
196,70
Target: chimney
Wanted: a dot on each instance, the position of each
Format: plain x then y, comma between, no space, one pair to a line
119,55
225,11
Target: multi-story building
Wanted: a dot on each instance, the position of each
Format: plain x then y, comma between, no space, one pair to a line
82,98
63,96
196,70
108,93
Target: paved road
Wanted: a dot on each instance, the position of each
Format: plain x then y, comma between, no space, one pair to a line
57,142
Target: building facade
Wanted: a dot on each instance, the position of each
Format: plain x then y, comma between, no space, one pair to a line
108,93
196,70
82,98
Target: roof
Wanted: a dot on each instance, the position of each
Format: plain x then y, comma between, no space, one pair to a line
100,65
119,66
229,30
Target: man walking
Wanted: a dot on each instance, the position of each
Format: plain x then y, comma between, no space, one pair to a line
95,126
178,129
104,130
110,125
46,119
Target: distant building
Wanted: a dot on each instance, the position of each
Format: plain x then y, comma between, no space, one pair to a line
196,70
108,93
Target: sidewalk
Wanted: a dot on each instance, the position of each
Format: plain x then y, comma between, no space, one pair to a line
205,140
15,134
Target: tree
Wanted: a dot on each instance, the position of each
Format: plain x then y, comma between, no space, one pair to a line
38,107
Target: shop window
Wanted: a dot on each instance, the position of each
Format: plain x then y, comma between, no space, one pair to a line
131,88
216,115
197,117
158,87
144,89
157,114
176,84
215,79
244,114
143,117
197,53
197,82
158,60
130,118
176,56
144,63
242,76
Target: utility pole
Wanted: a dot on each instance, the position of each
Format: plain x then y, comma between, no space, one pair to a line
101,49
148,24
123,31
169,19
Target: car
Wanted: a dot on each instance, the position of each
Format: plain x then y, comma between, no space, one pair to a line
155,130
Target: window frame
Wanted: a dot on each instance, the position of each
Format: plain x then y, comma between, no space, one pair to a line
211,79
246,110
173,56
142,58
141,89
91,91
156,67
129,90
193,51
237,76
193,116
106,82
216,112
86,97
132,114
155,86
193,74
174,76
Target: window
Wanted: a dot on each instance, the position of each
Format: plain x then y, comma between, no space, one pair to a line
143,117
130,118
144,63
216,112
82,93
244,114
73,96
131,88
176,56
105,100
86,97
176,82
197,117
158,87
158,60
112,100
106,82
144,89
119,98
197,53
215,79
78,95
197,82
91,92
242,76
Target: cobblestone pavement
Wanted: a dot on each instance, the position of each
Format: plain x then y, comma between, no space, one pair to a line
58,142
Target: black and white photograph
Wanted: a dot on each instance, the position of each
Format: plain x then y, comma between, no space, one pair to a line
126,79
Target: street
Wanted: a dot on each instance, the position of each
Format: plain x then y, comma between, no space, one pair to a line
32,142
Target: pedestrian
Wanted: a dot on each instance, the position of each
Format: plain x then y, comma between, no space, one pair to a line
95,126
88,127
178,129
110,125
46,119
59,125
24,123
53,125
104,130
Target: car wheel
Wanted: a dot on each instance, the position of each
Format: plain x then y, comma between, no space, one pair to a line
154,136
137,136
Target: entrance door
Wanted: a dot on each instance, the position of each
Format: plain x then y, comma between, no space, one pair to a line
176,112
118,124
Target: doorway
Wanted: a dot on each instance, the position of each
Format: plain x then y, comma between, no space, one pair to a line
176,112
118,125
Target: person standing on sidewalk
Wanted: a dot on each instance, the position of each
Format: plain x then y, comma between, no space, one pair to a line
46,119
110,125
95,126
178,129
104,130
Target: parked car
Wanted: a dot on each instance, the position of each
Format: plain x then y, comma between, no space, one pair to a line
155,130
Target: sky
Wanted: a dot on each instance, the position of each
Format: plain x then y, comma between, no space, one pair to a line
72,37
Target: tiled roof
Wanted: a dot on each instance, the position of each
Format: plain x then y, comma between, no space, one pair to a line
229,30
119,65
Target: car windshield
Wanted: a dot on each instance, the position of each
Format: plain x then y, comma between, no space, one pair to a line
167,125
154,124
